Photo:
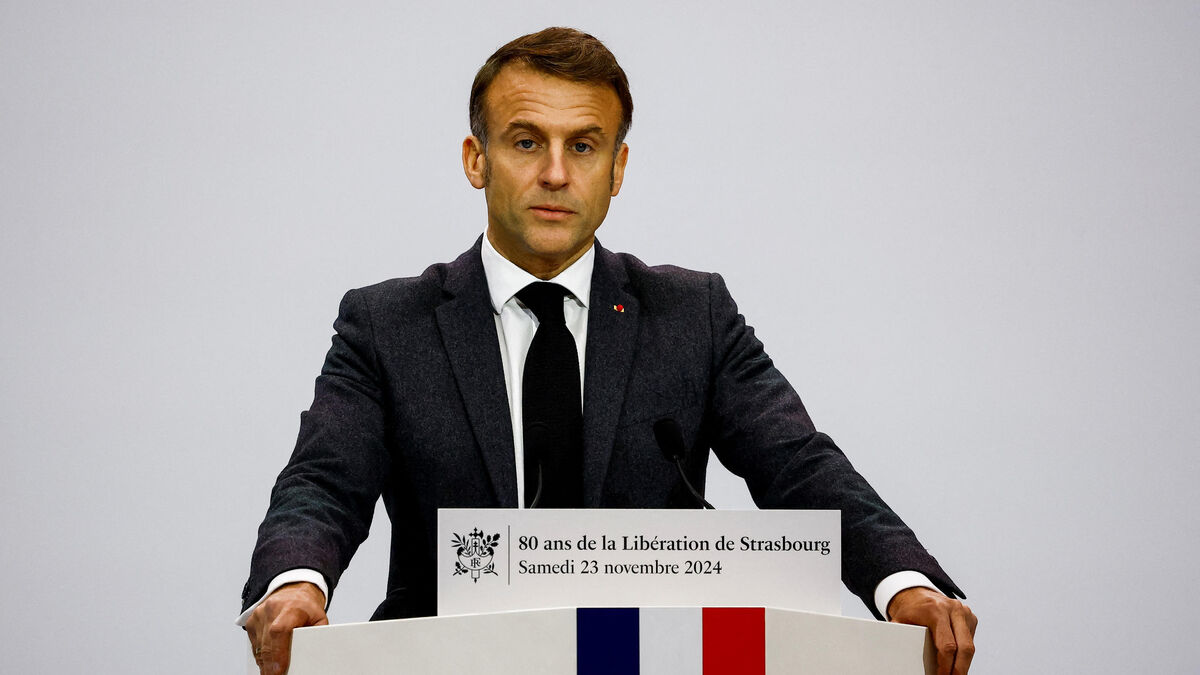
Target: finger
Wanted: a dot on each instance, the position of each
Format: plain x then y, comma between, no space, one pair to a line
251,636
255,630
944,642
276,646
964,635
280,659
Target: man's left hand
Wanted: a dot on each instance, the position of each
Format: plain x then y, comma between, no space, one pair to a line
950,622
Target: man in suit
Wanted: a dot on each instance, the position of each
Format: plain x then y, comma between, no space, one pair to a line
429,395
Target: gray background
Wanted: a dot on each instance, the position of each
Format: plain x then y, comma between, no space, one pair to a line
967,232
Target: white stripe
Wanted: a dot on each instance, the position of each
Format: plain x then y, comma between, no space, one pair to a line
671,641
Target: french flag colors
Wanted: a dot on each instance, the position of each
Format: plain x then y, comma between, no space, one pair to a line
683,641
649,641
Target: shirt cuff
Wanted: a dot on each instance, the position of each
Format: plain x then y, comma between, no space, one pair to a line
893,584
289,577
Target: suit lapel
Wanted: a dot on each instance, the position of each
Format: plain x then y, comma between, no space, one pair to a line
611,339
468,331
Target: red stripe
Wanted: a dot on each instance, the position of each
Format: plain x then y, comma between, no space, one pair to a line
735,641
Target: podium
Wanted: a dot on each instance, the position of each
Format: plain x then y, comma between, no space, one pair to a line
505,575
617,641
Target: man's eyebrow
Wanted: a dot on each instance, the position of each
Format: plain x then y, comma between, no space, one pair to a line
593,130
524,125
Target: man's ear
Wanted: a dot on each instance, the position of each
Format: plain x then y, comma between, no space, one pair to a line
474,161
618,172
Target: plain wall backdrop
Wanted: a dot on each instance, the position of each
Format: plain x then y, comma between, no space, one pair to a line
968,233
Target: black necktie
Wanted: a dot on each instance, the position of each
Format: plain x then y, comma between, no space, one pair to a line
551,411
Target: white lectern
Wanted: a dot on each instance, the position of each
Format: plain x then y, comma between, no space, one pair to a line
620,641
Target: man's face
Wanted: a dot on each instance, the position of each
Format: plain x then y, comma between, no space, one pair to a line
549,170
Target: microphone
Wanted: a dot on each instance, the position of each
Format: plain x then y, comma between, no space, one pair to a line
669,437
537,496
533,455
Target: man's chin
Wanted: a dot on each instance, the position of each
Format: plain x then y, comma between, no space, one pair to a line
557,254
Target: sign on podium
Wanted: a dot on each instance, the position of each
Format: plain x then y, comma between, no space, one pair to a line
492,560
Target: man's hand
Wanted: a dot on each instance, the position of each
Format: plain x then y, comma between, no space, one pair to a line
950,622
270,624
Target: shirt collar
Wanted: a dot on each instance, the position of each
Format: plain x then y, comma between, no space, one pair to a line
504,278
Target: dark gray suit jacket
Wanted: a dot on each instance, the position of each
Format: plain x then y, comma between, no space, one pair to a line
411,404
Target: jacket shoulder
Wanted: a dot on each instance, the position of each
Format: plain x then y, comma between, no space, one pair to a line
659,280
409,291
431,288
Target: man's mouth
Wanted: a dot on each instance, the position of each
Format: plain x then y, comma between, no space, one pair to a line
551,211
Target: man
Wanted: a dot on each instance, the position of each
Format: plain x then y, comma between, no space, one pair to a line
436,388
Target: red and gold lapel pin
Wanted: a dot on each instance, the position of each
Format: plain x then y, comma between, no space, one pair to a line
619,308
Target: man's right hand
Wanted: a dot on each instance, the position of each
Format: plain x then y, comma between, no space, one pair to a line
270,624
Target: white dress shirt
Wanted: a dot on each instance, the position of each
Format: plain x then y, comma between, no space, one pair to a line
515,326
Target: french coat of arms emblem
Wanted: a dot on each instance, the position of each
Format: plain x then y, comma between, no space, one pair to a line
475,552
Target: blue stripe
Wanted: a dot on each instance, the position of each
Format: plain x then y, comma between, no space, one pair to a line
606,641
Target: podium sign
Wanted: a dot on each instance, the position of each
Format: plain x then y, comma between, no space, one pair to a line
493,560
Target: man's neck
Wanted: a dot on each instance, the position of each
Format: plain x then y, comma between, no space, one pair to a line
542,268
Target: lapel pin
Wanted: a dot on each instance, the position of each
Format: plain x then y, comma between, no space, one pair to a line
619,308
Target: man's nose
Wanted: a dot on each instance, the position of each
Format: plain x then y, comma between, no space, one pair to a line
554,170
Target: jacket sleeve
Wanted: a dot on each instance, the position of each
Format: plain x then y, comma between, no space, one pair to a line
323,500
762,432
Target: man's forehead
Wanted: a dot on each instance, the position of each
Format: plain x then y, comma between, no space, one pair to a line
521,92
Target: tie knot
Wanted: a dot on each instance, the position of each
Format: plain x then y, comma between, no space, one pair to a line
545,299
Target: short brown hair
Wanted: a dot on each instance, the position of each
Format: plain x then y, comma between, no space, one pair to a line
561,52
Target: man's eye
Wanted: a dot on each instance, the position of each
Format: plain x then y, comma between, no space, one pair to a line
525,144
582,147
